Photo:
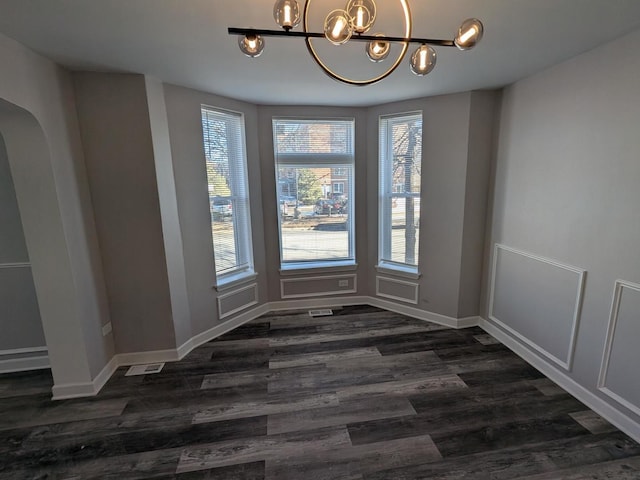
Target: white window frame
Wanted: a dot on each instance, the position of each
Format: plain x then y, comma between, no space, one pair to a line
239,197
319,160
387,192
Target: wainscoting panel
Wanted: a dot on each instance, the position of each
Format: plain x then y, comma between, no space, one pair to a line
237,300
23,359
619,373
397,289
537,300
318,286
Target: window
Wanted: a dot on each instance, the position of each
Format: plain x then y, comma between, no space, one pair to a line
226,161
338,187
316,228
400,162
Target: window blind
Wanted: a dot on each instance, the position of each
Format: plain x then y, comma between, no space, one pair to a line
314,168
400,176
226,165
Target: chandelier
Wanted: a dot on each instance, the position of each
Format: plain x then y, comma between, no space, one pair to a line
353,24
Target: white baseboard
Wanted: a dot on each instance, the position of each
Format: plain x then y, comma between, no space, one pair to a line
37,361
591,400
153,356
172,355
218,330
311,303
89,389
468,322
422,314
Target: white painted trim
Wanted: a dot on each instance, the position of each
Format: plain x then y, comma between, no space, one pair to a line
25,361
88,389
15,265
388,269
153,356
214,332
620,285
313,303
22,351
568,363
105,374
415,286
24,364
415,312
347,266
248,276
235,292
318,294
468,322
73,390
597,404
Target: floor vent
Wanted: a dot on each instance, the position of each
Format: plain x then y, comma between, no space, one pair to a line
321,313
144,369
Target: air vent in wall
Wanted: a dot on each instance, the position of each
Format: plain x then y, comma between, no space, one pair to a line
321,313
144,369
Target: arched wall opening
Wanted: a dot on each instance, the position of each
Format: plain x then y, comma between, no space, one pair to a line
29,161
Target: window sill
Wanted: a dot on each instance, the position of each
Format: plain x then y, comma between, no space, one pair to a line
319,267
234,280
398,270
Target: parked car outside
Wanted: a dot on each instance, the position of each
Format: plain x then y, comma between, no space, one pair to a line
221,208
328,206
289,200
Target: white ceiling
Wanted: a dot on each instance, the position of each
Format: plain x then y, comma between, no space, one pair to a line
185,42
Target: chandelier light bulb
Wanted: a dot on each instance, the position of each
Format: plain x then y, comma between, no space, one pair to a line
469,34
423,60
251,45
362,14
377,50
286,13
337,27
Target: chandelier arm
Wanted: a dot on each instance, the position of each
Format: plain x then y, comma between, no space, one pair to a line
359,83
360,38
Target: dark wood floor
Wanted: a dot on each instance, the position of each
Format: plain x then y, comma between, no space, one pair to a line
363,395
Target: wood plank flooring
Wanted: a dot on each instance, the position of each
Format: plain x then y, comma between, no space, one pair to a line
363,395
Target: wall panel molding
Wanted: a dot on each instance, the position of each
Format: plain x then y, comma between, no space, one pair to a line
620,286
24,359
332,286
566,362
14,265
228,297
410,287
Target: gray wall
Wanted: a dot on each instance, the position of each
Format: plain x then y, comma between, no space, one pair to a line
567,192
117,141
269,195
39,126
483,121
456,151
187,150
19,313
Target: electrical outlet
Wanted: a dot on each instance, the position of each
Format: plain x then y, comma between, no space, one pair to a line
106,329
343,283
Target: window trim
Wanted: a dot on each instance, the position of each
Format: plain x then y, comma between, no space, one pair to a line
242,237
331,161
386,192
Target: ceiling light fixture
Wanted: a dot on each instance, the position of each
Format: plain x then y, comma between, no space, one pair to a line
352,24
